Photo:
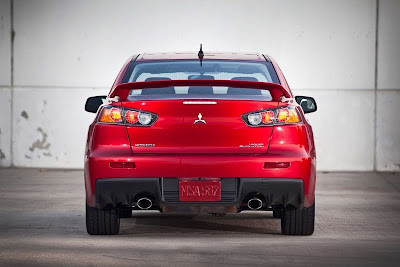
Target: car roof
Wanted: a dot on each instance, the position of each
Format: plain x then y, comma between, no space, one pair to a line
194,56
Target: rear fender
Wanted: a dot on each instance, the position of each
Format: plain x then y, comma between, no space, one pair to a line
109,141
292,142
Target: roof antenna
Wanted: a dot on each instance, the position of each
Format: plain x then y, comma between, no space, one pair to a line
201,55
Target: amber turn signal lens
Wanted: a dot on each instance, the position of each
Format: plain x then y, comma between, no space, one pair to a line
287,115
111,115
293,116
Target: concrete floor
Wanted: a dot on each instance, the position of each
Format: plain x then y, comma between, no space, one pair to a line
42,222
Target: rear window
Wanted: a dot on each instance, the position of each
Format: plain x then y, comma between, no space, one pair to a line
191,70
210,70
195,92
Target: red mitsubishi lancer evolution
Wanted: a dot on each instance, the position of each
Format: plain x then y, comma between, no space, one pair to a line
200,132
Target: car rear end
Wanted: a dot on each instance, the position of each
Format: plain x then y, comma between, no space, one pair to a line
180,137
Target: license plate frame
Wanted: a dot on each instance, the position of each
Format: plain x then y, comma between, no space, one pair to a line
199,191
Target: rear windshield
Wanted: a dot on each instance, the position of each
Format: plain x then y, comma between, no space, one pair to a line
209,70
196,92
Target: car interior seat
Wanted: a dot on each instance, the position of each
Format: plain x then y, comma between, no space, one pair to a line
243,91
158,91
201,89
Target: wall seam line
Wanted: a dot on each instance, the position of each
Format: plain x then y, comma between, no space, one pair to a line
12,35
376,83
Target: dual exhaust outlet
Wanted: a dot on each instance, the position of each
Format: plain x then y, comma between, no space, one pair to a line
144,203
255,203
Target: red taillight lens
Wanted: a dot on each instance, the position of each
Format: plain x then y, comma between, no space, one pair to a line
267,117
116,114
131,116
111,115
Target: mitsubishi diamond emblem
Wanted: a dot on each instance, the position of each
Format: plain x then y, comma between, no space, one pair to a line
199,120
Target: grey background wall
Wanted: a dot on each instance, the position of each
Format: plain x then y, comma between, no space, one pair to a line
344,53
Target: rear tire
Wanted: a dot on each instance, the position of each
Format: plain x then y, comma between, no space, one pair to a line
102,221
298,221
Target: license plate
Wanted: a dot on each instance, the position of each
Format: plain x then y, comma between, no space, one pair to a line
199,191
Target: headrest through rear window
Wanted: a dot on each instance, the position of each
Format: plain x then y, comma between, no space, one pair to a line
201,77
157,79
252,79
195,90
158,91
200,90
243,91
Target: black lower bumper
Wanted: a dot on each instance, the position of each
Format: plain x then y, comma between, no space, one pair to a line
235,192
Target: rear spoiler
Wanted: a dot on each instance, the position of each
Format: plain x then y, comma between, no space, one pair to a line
276,90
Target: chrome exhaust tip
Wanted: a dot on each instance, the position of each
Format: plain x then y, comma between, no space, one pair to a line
255,203
144,203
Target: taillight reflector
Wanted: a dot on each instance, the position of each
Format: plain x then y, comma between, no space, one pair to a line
276,165
122,165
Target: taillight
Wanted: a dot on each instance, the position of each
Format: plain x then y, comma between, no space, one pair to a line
111,115
115,115
283,115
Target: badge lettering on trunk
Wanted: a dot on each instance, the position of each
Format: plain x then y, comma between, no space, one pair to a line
145,145
253,145
199,120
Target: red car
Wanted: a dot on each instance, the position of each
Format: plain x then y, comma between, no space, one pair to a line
200,132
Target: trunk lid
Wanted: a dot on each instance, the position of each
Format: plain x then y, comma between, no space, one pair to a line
199,126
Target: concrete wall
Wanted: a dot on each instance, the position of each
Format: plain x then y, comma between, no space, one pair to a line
5,83
388,93
65,51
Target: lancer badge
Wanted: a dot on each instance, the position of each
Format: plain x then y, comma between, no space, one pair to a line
199,120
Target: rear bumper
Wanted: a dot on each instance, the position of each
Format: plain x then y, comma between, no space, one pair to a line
235,192
149,167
